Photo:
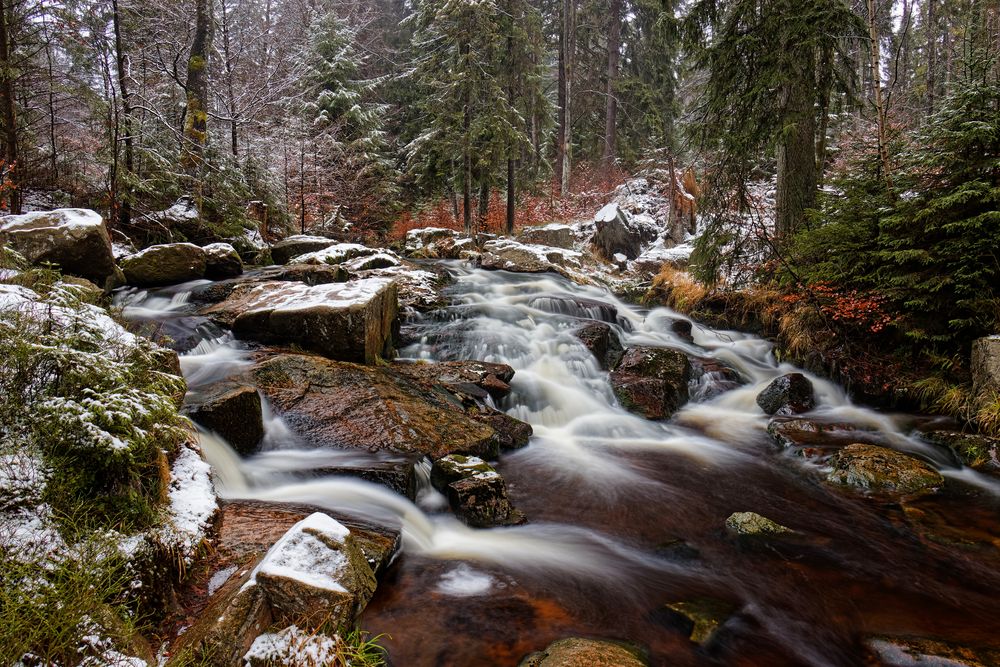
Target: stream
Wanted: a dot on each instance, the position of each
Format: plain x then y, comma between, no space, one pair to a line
625,514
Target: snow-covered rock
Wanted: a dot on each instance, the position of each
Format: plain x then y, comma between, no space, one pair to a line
353,321
507,255
619,232
334,254
222,261
553,235
74,239
297,245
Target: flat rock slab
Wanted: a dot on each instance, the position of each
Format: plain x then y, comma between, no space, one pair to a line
344,405
353,321
74,239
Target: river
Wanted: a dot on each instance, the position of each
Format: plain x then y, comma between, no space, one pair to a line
626,515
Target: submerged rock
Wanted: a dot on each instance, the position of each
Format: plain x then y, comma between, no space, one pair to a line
300,244
353,321
74,239
703,616
883,470
652,381
753,524
603,342
222,261
919,652
578,652
787,395
476,492
165,264
233,411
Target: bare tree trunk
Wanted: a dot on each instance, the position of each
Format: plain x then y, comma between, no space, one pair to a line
302,184
484,201
796,187
931,54
467,153
196,113
567,46
825,84
881,115
227,54
611,98
121,60
8,108
53,157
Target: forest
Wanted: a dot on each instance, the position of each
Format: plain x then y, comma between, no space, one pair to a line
629,270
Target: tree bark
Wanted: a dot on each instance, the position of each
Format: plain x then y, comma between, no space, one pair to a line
796,187
466,151
567,45
8,108
484,201
881,115
825,85
196,114
611,98
931,54
121,61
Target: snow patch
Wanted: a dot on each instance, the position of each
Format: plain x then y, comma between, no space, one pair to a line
299,296
305,554
220,578
292,646
192,502
463,581
61,218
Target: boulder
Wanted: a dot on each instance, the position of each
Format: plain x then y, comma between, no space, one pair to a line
354,321
338,253
787,395
233,411
476,492
315,574
651,381
986,367
222,261
526,258
418,239
578,652
293,246
74,239
924,652
814,438
603,342
462,376
554,235
683,329
882,470
310,274
344,405
165,264
753,524
617,234
397,474
511,433
976,451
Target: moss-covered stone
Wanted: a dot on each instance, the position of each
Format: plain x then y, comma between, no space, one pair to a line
579,652
882,470
753,524
652,382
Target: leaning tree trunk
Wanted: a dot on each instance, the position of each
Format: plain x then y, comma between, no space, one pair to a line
796,188
8,109
611,100
196,116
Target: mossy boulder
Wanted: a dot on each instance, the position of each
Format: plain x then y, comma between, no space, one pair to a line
476,492
976,451
602,341
554,235
222,261
652,382
882,470
579,652
702,616
165,264
293,246
754,525
789,394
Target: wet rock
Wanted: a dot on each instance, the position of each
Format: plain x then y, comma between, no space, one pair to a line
590,309
314,574
578,652
420,242
918,652
787,395
165,264
986,367
554,235
883,470
353,321
74,239
617,233
976,451
703,616
753,524
293,246
310,274
511,433
222,261
652,382
233,411
370,407
381,260
603,342
683,329
508,255
812,437
398,475
492,379
476,492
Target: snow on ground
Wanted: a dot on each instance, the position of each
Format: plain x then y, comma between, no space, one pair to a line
292,646
192,502
220,578
304,554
